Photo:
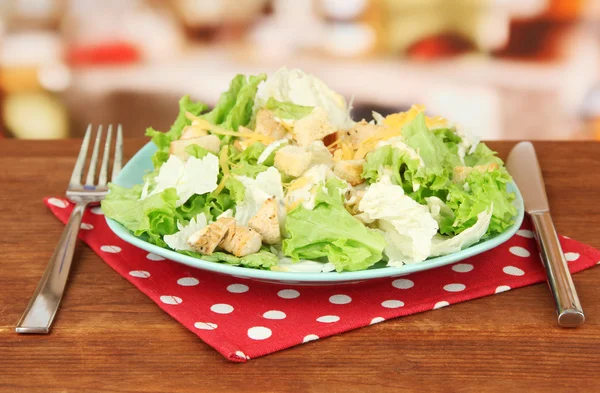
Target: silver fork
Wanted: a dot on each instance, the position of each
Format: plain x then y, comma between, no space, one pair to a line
42,307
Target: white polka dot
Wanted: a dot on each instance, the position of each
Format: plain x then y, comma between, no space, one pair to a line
502,288
456,287
598,263
403,283
328,318
154,257
513,271
86,226
525,233
274,314
58,202
111,249
519,251
259,333
376,320
237,288
188,281
221,308
310,337
205,325
97,210
567,237
392,304
441,304
462,268
139,273
571,256
340,299
288,293
170,299
241,355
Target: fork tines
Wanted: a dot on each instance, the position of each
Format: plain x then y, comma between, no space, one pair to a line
91,173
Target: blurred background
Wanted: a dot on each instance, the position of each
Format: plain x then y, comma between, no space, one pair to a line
504,69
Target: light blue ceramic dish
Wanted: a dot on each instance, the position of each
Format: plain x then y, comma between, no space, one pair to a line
141,163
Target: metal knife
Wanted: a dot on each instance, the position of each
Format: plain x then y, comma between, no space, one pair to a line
525,170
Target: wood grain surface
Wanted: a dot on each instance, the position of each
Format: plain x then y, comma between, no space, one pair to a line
109,337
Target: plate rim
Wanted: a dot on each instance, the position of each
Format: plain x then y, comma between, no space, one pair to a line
302,277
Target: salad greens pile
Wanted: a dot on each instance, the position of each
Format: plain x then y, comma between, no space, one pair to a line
252,182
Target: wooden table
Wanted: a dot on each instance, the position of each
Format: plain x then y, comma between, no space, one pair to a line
109,337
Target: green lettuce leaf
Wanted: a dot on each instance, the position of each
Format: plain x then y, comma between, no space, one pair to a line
154,215
482,155
329,231
234,107
260,260
241,113
288,110
236,189
196,151
250,155
226,101
484,189
162,140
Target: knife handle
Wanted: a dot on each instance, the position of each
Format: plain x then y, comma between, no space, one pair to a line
560,282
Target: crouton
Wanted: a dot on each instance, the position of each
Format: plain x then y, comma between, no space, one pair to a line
292,160
212,143
206,240
313,127
350,170
267,125
266,222
191,132
359,132
462,172
320,154
241,241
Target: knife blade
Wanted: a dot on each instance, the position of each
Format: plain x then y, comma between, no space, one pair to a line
523,166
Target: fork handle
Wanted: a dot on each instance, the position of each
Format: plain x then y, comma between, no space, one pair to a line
42,307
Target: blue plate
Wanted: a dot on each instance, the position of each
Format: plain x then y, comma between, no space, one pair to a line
141,163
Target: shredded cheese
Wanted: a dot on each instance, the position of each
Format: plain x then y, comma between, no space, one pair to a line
347,151
223,160
252,136
298,183
289,207
221,185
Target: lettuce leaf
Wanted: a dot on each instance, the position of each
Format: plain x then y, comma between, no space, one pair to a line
162,140
210,204
234,107
226,101
196,151
154,215
241,113
288,110
484,189
348,244
260,260
482,155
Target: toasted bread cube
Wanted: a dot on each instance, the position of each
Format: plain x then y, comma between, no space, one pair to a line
350,170
266,222
267,125
292,160
212,143
361,131
191,132
312,127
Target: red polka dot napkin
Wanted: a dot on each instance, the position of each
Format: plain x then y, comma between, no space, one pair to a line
244,319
